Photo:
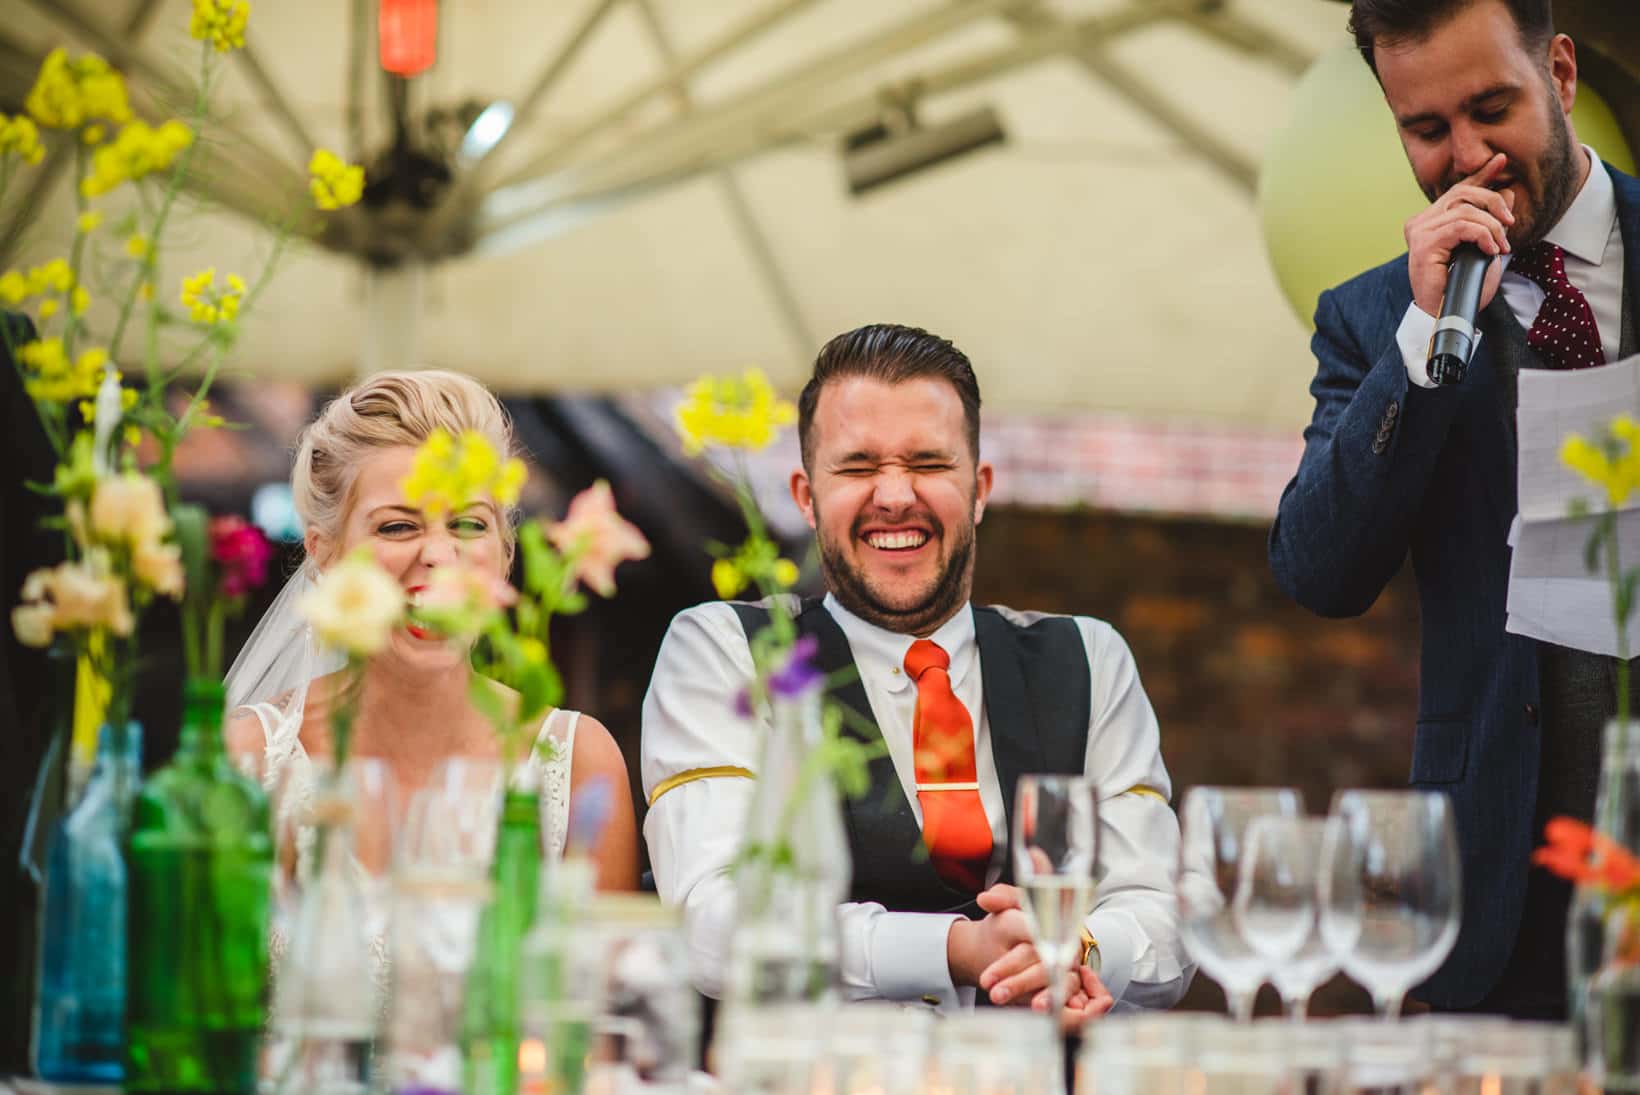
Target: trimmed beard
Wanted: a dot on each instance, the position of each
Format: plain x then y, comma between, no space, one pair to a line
950,590
1558,168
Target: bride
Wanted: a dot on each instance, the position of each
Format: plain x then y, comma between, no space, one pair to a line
414,711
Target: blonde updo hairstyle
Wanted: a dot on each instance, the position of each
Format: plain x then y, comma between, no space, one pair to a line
389,409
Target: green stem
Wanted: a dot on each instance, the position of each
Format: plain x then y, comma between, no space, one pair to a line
173,186
76,253
1614,568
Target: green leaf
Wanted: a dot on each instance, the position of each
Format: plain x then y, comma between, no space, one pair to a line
1591,550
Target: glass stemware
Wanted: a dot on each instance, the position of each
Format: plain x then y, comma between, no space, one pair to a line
1277,905
1213,840
1394,883
441,881
1056,857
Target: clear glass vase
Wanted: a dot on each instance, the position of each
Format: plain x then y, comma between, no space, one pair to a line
80,1002
200,874
793,870
330,980
1616,815
1611,1017
560,988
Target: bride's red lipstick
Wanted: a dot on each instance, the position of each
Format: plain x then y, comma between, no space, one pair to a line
417,632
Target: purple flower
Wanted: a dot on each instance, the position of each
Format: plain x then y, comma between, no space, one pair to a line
743,703
799,674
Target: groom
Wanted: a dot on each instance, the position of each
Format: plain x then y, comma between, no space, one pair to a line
893,486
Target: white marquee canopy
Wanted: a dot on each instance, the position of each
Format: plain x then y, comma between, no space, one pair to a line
671,198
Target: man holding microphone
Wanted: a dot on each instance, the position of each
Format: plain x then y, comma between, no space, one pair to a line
1396,465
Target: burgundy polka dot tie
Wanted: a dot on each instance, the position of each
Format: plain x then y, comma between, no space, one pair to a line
1564,333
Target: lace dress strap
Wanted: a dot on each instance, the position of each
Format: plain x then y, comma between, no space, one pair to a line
549,769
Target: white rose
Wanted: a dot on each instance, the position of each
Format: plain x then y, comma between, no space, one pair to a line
129,509
31,623
159,567
85,598
354,606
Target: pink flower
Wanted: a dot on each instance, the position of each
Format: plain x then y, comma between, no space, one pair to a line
242,551
596,538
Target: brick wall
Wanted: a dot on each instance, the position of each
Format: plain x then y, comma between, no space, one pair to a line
1248,687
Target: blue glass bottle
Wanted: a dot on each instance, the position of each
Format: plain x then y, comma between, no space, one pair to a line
80,1006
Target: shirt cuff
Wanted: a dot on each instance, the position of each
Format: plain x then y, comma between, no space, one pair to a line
908,956
1113,932
1412,336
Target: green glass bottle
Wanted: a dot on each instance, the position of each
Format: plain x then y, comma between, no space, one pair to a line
201,875
490,1016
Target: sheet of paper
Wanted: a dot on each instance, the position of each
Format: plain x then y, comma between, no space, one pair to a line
1558,402
1553,596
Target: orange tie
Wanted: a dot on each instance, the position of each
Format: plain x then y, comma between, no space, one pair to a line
942,740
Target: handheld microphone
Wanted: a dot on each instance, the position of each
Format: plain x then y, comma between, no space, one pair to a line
1455,336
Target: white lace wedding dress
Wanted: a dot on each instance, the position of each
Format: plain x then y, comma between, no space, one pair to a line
288,777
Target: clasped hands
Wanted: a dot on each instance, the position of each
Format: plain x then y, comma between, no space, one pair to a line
996,956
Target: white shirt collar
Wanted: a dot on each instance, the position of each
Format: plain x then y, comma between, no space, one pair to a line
1587,225
880,653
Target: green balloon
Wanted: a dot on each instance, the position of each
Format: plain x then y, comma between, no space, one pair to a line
1335,188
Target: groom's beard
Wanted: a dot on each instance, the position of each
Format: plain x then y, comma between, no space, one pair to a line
852,587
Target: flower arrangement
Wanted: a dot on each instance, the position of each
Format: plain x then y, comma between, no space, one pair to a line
125,535
510,629
1611,462
743,414
1591,859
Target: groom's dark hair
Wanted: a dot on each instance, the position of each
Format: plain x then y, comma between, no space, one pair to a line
893,354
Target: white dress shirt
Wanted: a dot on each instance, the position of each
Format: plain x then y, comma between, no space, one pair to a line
691,735
1593,243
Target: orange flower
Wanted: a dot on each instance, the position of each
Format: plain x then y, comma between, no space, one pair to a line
1570,844
1577,852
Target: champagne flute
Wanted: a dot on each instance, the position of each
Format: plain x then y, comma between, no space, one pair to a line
1277,905
1395,865
1213,829
1056,856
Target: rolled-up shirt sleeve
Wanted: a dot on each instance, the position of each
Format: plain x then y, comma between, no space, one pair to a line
1134,922
699,760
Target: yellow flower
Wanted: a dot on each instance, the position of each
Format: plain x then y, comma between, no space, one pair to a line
137,246
221,23
49,376
448,475
206,303
20,137
354,606
94,134
533,649
335,183
727,578
138,151
737,412
88,222
13,287
1612,462
79,300
68,94
786,573
48,308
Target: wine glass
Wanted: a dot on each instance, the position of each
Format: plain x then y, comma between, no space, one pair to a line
1056,855
1277,905
441,880
1394,871
1213,839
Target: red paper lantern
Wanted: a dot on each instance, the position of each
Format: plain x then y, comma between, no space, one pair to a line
408,32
